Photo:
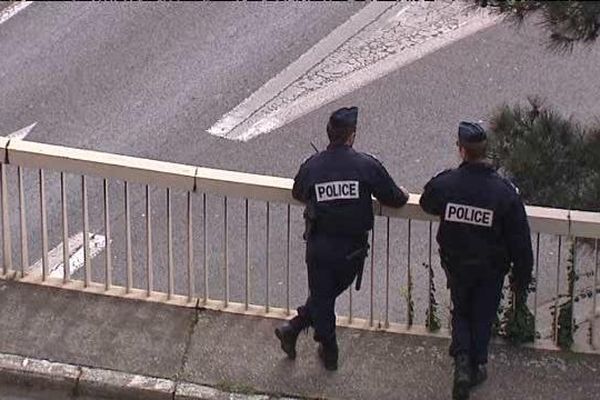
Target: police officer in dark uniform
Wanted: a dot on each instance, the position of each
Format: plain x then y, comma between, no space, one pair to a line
336,185
483,232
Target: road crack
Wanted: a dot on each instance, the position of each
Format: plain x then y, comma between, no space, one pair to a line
75,393
188,344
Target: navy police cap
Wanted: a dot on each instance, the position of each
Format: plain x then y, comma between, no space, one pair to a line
470,132
344,118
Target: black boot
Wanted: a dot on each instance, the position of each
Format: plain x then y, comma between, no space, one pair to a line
462,377
329,355
478,374
288,335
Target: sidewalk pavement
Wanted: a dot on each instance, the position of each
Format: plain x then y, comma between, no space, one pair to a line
232,353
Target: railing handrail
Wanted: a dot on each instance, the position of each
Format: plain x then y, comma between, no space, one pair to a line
240,184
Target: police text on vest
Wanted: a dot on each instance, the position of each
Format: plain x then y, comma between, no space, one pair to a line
469,215
337,190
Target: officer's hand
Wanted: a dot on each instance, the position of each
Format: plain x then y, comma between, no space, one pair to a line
406,192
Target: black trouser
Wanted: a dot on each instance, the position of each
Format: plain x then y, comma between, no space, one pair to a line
475,300
330,273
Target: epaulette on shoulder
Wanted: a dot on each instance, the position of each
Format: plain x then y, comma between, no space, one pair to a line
442,172
511,185
310,157
371,156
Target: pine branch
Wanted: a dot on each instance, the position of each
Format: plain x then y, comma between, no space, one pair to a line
552,159
568,22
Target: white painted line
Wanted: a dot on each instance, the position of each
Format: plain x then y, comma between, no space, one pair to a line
397,16
254,127
21,133
76,256
313,56
13,9
392,38
76,260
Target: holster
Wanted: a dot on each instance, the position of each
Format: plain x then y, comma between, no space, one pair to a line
445,264
359,255
309,222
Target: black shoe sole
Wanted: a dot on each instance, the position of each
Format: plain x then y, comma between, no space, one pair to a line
291,353
328,367
461,391
477,382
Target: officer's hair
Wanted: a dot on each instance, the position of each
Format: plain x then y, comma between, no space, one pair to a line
475,151
339,135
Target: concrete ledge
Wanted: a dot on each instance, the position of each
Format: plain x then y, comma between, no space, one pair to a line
43,374
190,391
23,371
102,382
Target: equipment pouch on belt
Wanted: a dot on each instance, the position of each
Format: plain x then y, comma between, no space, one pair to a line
445,263
359,254
457,268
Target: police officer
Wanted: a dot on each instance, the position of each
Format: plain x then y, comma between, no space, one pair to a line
483,231
336,185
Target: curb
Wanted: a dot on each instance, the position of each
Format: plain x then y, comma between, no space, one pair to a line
43,374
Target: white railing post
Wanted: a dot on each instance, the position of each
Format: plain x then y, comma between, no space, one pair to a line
86,233
149,260
190,248
23,224
107,233
43,225
65,228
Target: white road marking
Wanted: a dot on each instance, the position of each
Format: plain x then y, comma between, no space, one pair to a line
76,256
397,16
314,55
13,9
399,36
21,133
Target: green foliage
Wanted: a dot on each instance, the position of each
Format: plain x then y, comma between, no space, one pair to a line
514,321
564,339
553,160
519,324
566,326
233,387
410,301
568,22
432,321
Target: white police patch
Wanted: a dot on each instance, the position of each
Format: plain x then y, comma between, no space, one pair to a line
337,190
469,215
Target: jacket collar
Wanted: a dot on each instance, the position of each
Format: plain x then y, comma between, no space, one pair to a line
477,165
342,146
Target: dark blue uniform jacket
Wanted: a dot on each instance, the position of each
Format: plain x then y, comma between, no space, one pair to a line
482,219
337,185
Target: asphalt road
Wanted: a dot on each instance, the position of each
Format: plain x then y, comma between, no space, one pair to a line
143,81
112,77
149,82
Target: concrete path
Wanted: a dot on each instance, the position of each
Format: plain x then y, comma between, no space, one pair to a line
239,354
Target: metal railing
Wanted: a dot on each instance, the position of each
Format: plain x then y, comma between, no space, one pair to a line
249,236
